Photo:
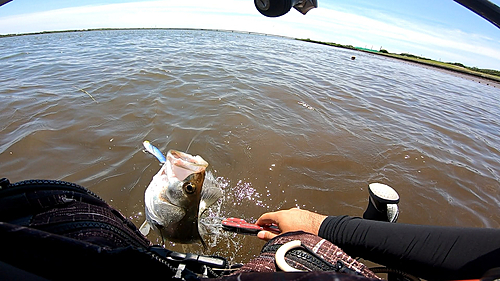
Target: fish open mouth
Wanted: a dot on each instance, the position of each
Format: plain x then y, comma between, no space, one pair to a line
182,164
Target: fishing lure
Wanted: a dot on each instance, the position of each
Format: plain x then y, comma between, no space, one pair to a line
154,151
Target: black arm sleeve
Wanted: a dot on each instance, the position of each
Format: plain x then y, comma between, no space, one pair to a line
430,252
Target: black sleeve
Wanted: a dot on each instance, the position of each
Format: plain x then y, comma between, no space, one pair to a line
430,252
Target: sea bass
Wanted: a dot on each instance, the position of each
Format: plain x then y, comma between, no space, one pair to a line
176,197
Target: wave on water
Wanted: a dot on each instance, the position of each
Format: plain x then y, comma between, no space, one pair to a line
283,123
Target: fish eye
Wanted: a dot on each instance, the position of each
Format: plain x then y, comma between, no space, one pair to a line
189,188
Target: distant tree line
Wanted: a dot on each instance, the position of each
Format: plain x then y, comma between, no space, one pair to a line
482,70
413,56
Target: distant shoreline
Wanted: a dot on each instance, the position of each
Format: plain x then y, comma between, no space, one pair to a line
479,77
476,77
463,72
459,71
139,28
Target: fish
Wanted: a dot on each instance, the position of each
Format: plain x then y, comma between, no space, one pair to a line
177,196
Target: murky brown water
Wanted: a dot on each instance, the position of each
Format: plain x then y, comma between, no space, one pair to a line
282,123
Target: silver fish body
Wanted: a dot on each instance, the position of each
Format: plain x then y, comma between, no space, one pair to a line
177,196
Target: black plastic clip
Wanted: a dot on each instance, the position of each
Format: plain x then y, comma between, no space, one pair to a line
4,183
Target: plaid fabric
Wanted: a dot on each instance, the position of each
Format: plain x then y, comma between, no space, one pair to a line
315,254
69,210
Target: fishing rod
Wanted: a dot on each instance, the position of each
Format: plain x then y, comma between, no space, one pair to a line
277,8
484,8
4,2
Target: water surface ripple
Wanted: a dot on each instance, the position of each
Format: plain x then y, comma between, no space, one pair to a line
283,123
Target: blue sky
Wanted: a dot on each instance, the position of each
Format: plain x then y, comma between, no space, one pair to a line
437,29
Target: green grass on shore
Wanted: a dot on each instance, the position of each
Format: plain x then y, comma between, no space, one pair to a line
458,67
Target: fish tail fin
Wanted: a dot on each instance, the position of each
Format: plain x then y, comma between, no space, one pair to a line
145,228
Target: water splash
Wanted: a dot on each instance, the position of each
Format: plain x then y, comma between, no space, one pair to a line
244,192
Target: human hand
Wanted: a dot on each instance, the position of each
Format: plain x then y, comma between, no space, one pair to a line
290,220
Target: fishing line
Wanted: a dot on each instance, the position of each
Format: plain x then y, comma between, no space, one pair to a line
195,137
